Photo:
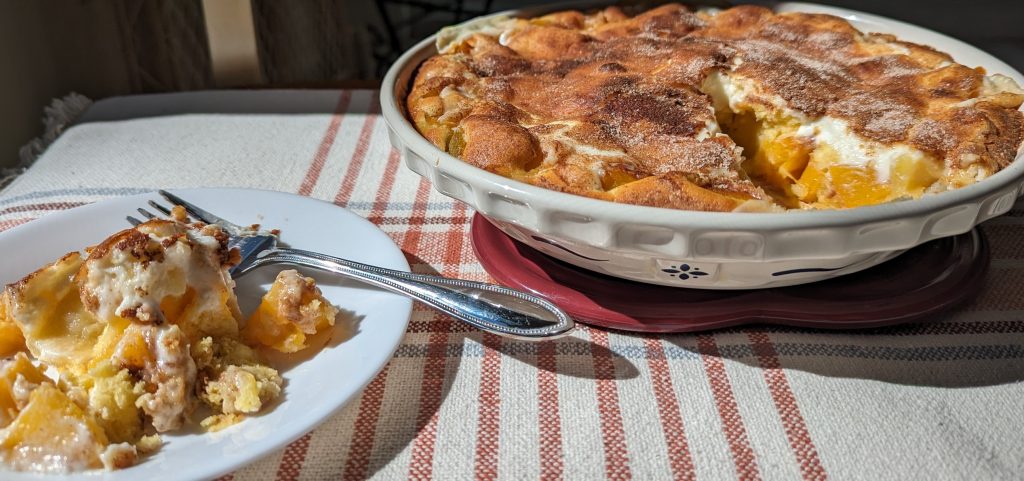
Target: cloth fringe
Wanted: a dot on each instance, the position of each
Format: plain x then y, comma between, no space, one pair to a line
56,117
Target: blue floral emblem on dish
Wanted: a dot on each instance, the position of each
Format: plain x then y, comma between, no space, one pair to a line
684,271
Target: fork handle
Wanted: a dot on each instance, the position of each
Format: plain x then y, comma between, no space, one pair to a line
489,307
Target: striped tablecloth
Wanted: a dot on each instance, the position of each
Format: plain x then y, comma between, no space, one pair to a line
941,400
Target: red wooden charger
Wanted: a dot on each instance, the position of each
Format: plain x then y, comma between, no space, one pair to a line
925,280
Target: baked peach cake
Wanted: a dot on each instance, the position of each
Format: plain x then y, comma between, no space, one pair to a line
108,349
741,109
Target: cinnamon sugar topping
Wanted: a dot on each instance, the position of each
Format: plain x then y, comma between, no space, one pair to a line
638,86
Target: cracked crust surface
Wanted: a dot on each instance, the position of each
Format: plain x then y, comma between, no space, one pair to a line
614,106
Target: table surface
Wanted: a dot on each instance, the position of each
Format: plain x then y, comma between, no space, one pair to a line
936,400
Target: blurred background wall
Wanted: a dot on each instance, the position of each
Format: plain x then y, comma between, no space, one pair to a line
102,48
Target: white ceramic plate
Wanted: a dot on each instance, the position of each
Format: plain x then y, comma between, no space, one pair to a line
314,388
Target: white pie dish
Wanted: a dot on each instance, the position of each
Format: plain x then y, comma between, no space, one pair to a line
734,250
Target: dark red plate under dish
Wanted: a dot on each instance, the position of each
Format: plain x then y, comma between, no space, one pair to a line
921,282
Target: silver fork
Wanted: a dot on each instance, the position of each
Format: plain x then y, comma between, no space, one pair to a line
489,307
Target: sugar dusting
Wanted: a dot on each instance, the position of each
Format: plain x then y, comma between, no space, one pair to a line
636,86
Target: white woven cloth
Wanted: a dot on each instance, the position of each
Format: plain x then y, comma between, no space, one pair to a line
939,400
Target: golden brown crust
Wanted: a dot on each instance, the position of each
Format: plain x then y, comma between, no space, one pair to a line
498,145
821,65
593,103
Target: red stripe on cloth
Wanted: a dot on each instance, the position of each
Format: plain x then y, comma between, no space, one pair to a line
613,436
295,454
365,428
47,206
550,420
671,417
8,224
489,411
386,185
421,465
372,399
355,164
789,412
728,411
410,238
320,158
293,458
431,388
552,462
370,403
455,245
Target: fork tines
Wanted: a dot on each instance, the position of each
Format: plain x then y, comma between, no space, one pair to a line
193,210
156,206
147,214
198,212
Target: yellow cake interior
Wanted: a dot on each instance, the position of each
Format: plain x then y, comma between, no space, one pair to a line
133,337
739,109
782,155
